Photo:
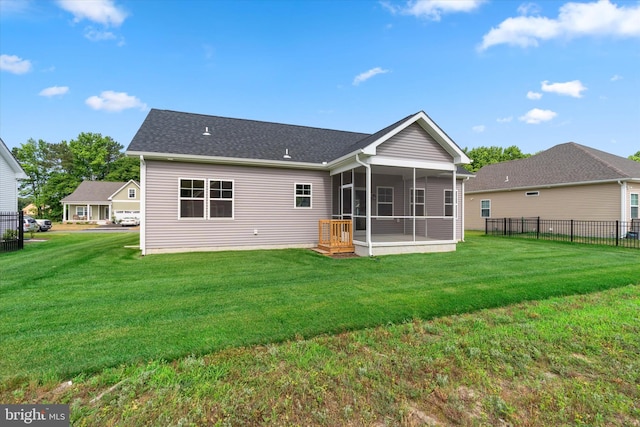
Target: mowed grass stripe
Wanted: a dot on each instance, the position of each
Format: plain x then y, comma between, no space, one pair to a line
81,302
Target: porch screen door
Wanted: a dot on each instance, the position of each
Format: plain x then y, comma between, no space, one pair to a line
347,201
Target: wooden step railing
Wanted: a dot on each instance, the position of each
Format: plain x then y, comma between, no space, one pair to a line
335,235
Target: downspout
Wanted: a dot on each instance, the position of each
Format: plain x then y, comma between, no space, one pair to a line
368,168
143,209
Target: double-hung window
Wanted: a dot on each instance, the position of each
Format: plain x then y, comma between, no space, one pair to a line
385,201
419,202
634,206
220,199
303,196
448,202
485,208
192,197
132,193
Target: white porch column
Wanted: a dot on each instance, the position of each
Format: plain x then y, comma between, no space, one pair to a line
455,206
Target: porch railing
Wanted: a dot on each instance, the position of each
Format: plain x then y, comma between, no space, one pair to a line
335,235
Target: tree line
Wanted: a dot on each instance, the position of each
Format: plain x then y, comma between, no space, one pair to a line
54,170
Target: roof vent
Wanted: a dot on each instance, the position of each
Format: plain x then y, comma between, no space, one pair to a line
206,131
286,154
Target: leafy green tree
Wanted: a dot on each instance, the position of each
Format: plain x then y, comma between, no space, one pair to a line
37,161
635,157
483,156
124,169
93,156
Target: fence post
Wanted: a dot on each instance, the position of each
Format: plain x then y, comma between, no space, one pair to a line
20,229
486,226
617,232
538,228
572,230
504,227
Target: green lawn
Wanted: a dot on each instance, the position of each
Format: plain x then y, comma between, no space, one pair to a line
82,302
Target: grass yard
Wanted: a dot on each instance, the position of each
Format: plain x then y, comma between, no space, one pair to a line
82,302
562,361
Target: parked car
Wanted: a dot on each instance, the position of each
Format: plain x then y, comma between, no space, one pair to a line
129,221
29,224
44,224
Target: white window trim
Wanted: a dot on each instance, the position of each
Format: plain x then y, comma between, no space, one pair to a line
85,211
296,195
423,204
392,203
481,208
637,205
232,199
129,193
205,199
452,204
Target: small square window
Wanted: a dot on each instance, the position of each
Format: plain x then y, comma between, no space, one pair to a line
303,196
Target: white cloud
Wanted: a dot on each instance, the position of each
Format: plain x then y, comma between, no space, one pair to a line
101,11
573,88
54,90
601,18
537,116
534,95
434,9
616,77
529,9
114,101
504,119
14,64
479,128
96,35
362,77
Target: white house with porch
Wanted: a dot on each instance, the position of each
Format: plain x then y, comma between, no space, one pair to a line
102,202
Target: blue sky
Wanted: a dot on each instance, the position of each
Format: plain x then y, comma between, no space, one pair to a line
489,72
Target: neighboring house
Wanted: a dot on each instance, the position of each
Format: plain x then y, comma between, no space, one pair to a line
568,181
101,201
10,174
214,183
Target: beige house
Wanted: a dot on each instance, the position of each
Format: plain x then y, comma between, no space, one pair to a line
102,202
215,183
567,181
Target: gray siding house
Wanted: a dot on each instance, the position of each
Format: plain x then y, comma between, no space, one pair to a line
213,183
567,181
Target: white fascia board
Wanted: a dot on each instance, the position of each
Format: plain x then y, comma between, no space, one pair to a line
12,162
459,156
120,189
228,160
542,186
345,167
418,164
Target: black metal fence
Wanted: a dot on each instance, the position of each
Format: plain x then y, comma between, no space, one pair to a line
11,231
613,233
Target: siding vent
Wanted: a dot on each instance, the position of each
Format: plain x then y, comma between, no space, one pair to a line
532,193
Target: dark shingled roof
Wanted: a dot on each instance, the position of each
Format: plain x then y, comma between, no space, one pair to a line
93,191
562,164
173,132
